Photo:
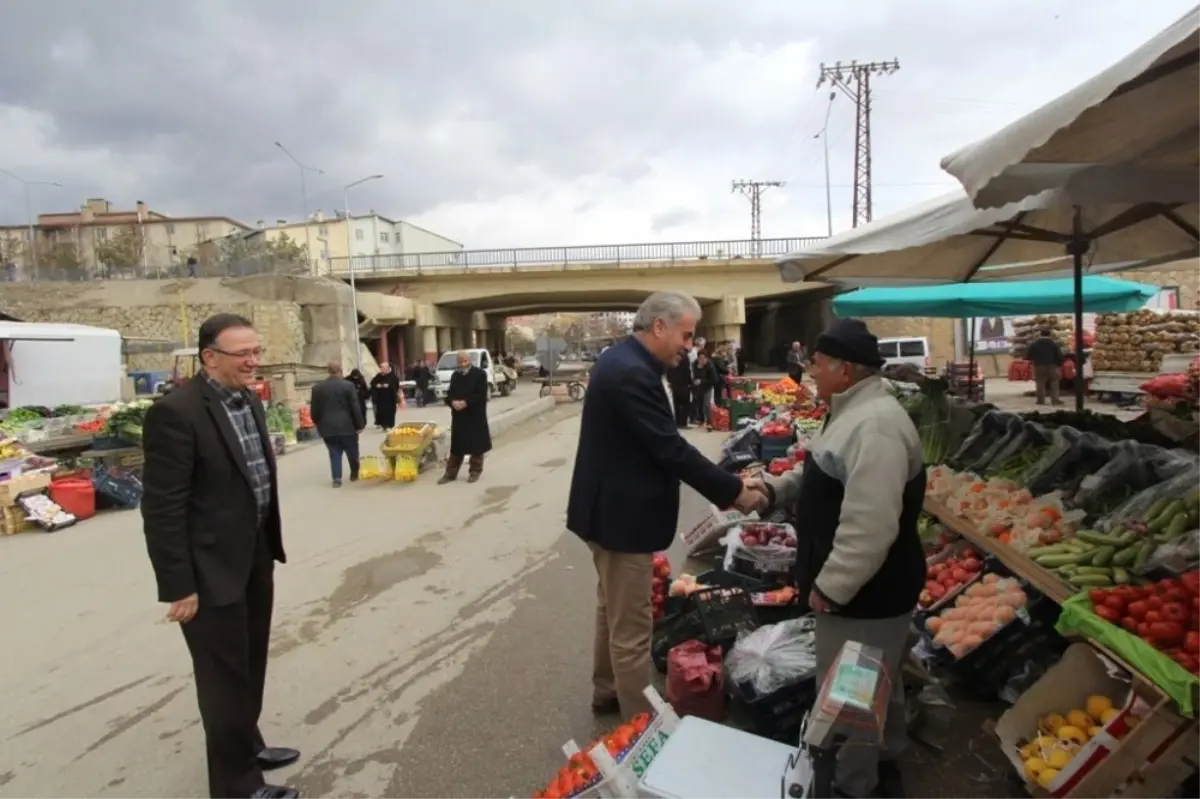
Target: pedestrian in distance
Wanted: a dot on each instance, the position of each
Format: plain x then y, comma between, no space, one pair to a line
860,561
624,498
339,419
385,395
1047,358
210,513
360,388
704,383
679,380
470,437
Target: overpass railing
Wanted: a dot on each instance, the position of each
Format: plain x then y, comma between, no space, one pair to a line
597,255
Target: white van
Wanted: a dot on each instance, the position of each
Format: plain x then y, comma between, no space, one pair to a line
908,351
499,381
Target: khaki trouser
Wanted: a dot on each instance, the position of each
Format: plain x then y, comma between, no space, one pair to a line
857,771
624,624
1046,379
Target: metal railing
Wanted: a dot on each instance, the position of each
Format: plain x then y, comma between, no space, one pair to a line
595,255
601,255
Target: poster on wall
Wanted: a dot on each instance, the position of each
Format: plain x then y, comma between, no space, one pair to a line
993,334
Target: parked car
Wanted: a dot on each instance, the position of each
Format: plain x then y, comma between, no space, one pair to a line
530,365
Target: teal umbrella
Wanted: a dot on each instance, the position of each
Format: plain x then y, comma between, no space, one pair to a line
1020,298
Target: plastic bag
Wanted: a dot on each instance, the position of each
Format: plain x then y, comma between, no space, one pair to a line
370,468
1177,556
1021,454
1137,509
774,656
769,556
1133,467
696,681
746,439
1084,457
995,430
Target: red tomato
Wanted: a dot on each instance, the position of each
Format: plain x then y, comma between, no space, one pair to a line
1154,602
1167,633
1175,595
1143,630
1190,582
1191,642
1108,613
1137,610
1153,616
1174,611
1096,595
1115,602
1130,624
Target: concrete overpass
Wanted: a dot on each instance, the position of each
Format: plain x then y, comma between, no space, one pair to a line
461,299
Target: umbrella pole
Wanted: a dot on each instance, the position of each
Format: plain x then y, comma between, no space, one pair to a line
971,360
1077,247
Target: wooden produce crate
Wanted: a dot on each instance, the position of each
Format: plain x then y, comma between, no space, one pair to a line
13,521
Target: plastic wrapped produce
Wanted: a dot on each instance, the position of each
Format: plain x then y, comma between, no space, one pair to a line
774,656
990,434
1086,455
1164,511
1132,468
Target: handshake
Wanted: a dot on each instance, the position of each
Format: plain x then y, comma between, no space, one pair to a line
754,495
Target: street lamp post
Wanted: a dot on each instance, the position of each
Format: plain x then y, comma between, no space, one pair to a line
304,199
824,137
350,261
29,212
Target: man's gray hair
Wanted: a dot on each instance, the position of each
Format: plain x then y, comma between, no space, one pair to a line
669,306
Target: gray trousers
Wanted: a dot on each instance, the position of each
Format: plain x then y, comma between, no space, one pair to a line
858,762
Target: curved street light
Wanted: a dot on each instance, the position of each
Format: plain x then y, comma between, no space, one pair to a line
350,262
303,199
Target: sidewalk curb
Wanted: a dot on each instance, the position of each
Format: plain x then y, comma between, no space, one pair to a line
503,422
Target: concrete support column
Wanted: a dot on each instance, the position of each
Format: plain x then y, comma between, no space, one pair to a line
457,338
445,343
719,333
381,350
429,343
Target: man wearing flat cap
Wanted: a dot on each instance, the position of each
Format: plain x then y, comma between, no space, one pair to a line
856,500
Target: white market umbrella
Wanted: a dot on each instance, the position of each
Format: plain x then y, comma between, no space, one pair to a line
948,239
1137,120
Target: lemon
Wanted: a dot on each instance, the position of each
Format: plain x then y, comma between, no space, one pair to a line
1058,758
1051,723
1093,731
1033,767
1097,705
1108,715
1044,743
1046,777
1072,734
1078,718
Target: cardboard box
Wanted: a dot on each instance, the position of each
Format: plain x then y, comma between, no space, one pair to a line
12,488
1080,673
702,530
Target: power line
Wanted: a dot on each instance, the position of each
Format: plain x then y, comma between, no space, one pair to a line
753,189
854,79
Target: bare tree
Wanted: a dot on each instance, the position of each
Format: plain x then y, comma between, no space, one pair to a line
123,251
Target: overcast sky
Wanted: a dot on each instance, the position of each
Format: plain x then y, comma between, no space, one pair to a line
523,122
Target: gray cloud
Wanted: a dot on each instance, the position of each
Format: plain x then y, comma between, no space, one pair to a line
498,123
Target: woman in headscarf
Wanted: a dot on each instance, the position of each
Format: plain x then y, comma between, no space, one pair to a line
360,388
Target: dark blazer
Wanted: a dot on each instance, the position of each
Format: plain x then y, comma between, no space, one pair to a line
631,458
335,409
469,431
198,509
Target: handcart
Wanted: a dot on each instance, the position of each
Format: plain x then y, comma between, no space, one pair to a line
408,448
574,386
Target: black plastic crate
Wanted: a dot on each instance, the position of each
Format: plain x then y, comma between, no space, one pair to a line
777,715
724,612
721,578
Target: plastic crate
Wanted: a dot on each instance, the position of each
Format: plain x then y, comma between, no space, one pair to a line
724,612
777,715
741,409
772,447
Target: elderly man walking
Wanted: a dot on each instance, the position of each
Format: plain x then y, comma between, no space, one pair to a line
860,561
624,500
338,416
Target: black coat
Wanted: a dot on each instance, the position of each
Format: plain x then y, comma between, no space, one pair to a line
335,408
631,458
421,376
384,389
706,374
469,433
679,376
198,509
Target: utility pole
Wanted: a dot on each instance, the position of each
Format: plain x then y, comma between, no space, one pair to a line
753,189
854,80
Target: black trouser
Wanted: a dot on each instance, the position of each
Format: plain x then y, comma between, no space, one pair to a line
682,399
338,446
795,371
454,463
229,659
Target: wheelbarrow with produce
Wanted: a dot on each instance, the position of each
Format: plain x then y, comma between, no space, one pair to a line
408,448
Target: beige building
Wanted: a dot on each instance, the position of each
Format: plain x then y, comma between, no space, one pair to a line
366,237
72,239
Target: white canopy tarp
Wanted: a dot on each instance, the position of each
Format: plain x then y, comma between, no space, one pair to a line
1143,111
948,239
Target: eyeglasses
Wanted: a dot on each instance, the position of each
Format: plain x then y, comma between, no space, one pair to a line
243,355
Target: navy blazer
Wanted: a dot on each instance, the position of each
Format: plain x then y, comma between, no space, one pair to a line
631,458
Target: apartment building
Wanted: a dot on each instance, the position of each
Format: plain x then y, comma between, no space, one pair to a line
167,240
370,234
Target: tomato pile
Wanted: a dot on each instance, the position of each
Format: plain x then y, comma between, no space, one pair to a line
777,429
780,466
945,576
580,772
305,415
811,413
659,583
92,426
1165,614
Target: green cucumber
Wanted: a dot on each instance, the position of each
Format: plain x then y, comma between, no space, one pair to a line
1053,561
1120,576
1177,527
1104,556
1091,580
1105,570
1100,539
1192,499
1143,556
1157,507
1126,556
1163,519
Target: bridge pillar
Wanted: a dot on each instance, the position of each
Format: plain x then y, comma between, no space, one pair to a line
429,343
445,344
723,319
457,340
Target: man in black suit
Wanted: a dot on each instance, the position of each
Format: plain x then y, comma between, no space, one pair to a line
211,518
470,437
624,500
336,413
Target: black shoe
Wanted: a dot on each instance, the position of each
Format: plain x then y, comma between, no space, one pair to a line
445,478
337,483
274,757
275,792
606,707
354,478
472,478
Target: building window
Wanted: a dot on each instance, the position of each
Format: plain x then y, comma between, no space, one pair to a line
383,237
322,231
101,234
358,235
170,229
